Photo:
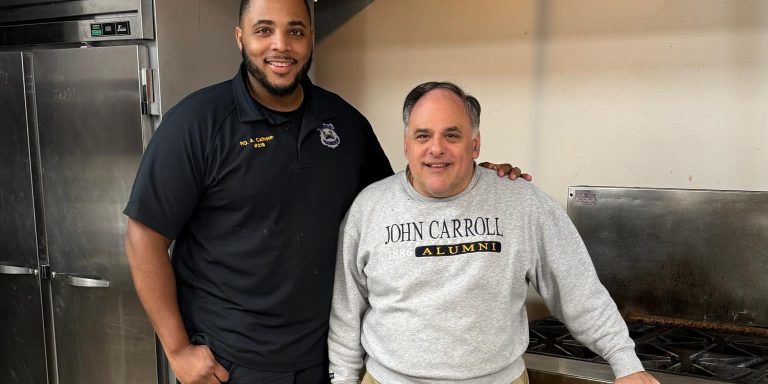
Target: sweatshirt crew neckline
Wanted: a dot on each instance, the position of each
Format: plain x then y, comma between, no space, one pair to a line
414,194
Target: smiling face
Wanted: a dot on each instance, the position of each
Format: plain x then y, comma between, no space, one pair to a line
275,39
440,145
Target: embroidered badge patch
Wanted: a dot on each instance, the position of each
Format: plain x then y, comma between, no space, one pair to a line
328,136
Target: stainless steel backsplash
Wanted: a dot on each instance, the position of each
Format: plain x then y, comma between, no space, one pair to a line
699,255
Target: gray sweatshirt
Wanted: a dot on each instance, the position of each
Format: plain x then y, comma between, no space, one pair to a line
433,290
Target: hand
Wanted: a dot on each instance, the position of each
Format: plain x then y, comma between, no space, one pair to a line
637,378
195,364
506,170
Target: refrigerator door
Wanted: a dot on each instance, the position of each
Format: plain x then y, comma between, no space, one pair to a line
90,131
22,344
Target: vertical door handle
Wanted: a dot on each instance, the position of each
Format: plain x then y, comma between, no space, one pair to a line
149,105
85,281
11,269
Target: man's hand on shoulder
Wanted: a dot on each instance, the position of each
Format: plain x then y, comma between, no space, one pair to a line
195,364
637,378
506,170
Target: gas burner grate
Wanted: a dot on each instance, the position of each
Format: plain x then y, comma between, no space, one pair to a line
718,366
750,345
692,352
638,331
556,340
760,379
729,368
654,357
684,338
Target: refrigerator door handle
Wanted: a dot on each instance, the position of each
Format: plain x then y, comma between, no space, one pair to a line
85,281
10,269
149,104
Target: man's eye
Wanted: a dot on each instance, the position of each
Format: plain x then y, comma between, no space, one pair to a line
297,32
453,136
421,137
263,31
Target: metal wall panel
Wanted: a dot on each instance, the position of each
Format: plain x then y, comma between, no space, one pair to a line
90,128
22,344
698,255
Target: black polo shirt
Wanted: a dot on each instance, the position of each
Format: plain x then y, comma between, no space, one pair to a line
255,215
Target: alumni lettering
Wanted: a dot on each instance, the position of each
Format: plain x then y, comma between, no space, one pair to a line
458,249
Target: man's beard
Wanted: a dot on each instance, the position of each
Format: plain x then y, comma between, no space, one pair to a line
273,89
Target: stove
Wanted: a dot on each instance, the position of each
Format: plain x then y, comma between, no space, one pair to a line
686,269
705,354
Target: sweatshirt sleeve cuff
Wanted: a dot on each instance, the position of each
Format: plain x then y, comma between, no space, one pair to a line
344,381
348,377
625,362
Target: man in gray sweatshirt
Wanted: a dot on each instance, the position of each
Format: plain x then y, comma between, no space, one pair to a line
434,263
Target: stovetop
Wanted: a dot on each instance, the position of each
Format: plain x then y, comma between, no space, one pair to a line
698,353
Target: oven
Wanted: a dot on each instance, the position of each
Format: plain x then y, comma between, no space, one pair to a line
688,270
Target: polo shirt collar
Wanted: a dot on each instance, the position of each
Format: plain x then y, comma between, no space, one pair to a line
248,109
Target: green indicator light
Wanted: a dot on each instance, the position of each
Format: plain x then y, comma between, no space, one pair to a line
96,30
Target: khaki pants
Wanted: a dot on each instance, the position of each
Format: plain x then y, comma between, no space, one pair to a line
523,379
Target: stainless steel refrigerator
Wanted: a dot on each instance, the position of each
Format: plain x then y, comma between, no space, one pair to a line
79,97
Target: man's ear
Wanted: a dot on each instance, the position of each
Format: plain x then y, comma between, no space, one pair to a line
476,146
239,38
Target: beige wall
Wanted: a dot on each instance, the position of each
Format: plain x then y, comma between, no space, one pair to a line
194,47
590,92
626,93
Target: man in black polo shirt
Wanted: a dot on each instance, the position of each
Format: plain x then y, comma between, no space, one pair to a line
251,178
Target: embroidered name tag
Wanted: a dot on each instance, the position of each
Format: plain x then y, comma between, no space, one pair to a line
256,142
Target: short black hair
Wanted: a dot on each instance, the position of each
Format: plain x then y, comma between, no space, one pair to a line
244,4
471,104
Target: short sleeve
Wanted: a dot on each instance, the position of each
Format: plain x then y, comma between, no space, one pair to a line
170,178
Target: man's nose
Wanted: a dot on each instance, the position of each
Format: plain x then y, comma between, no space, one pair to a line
436,146
280,42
